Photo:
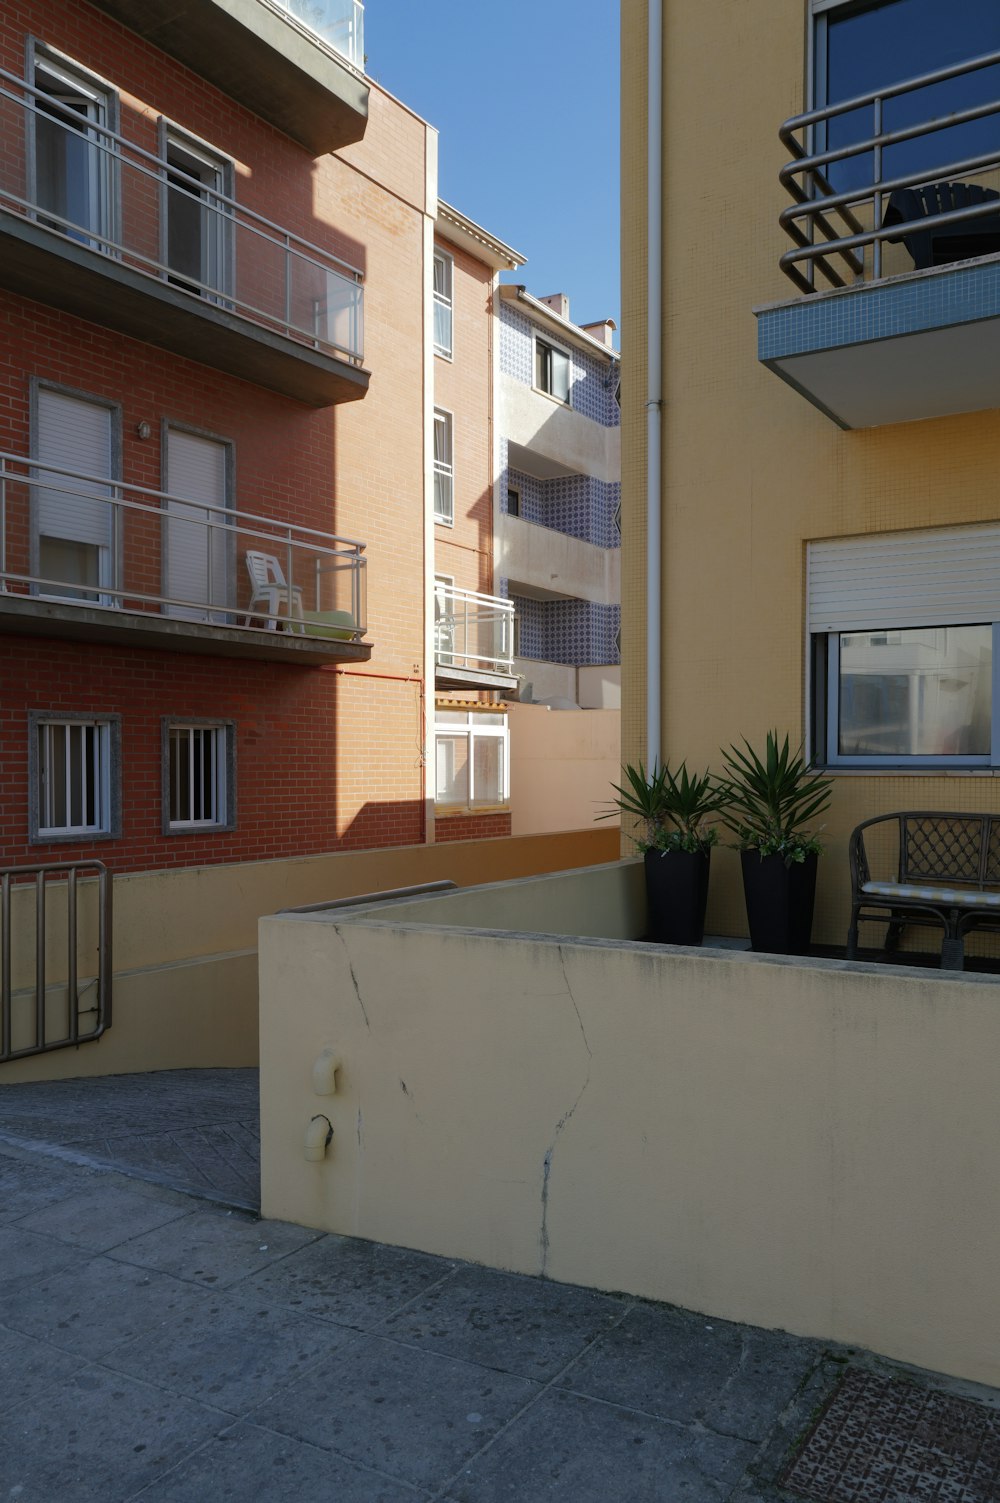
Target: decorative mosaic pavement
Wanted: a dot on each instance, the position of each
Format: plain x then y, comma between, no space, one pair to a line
887,1440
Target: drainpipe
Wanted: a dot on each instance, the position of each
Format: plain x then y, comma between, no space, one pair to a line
654,375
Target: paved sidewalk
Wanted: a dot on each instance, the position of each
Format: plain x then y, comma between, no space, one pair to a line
194,1130
155,1347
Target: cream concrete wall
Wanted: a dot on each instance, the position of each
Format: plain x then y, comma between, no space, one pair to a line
185,983
562,765
751,471
806,1146
600,688
555,563
555,432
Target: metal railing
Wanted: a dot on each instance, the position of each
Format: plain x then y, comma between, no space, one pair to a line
89,541
338,23
92,186
45,995
809,221
473,631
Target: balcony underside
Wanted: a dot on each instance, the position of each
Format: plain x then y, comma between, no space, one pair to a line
252,54
38,264
472,678
922,345
26,617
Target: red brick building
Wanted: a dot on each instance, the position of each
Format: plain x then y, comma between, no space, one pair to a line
216,244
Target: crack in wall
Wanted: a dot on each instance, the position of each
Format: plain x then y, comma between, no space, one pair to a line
543,1232
354,979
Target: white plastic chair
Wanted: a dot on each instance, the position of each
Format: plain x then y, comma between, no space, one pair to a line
271,593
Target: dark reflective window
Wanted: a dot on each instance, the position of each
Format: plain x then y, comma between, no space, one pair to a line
865,47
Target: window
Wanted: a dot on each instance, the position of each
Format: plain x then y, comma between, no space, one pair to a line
443,278
552,370
197,226
859,46
444,469
73,771
72,166
513,501
74,522
905,649
472,758
198,776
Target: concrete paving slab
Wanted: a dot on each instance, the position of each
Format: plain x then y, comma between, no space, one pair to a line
568,1449
97,1437
351,1282
23,1189
411,1415
516,1325
25,1258
232,1353
29,1368
250,1465
103,1216
215,1247
96,1305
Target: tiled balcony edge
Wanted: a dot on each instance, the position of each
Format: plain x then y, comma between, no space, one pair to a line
912,303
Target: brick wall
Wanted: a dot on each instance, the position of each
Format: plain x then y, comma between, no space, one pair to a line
325,759
471,827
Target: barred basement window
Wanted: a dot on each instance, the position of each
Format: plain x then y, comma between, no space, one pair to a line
198,776
74,790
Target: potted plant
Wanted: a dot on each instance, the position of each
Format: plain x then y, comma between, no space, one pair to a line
770,803
675,843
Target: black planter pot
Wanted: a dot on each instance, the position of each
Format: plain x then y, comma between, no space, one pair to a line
780,902
676,895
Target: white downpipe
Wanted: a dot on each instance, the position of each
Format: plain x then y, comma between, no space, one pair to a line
654,376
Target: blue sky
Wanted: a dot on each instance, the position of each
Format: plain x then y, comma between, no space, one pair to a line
525,98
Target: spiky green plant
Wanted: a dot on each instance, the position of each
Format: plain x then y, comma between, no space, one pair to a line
772,800
671,807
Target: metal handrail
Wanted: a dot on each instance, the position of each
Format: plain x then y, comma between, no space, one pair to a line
45,875
814,199
476,612
230,215
325,553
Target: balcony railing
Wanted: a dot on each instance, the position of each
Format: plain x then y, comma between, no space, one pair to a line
338,23
99,544
473,632
841,232
93,187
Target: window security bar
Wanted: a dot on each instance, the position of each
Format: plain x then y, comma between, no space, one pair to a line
472,630
324,572
257,269
809,220
48,1005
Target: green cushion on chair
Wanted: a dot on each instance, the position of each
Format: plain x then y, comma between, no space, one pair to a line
336,624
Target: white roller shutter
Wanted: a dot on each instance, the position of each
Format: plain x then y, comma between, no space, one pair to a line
76,435
197,569
938,577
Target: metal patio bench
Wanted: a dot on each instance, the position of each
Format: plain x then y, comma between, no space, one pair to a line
944,243
947,874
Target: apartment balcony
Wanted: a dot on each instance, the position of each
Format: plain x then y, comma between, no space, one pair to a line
473,640
298,64
548,565
90,559
895,230
93,224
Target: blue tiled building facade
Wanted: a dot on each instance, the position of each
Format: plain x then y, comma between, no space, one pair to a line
570,631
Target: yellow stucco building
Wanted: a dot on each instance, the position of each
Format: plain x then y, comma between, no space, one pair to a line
816,442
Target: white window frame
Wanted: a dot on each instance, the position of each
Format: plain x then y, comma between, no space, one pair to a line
517,491
222,774
540,341
46,729
470,731
446,303
444,470
104,188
